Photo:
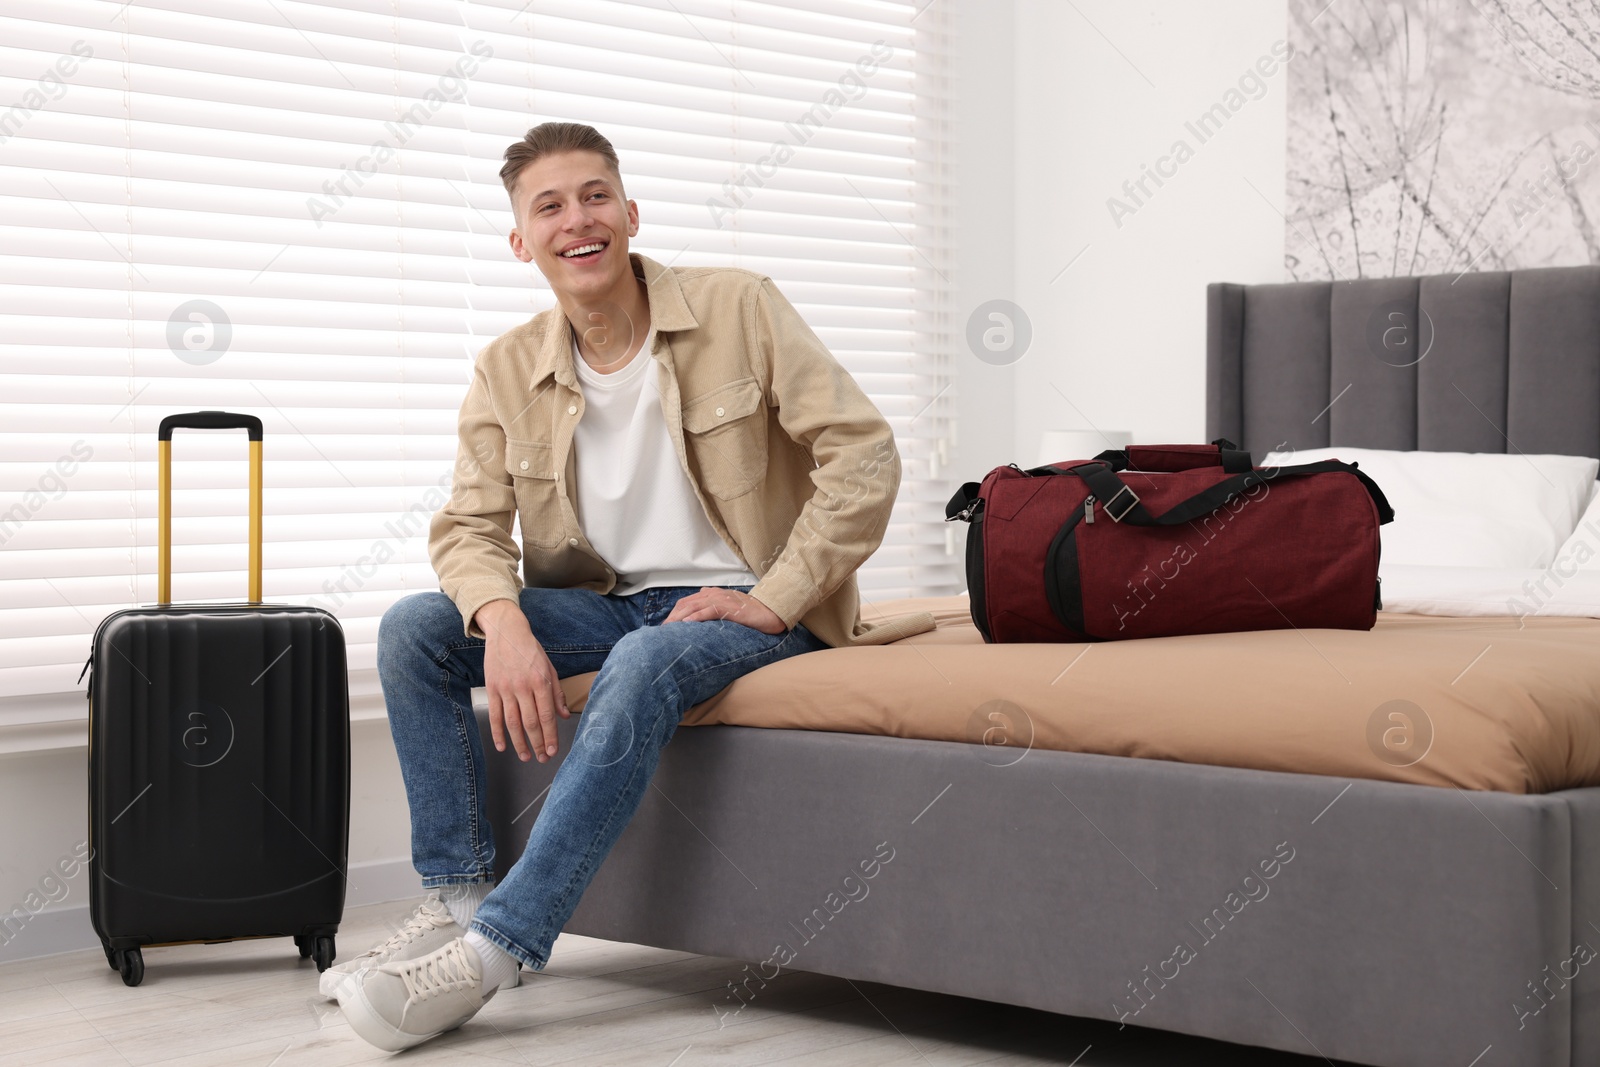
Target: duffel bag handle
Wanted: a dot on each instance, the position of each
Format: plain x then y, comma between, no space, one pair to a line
1171,459
1123,505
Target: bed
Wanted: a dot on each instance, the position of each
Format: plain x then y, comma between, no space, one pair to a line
1240,856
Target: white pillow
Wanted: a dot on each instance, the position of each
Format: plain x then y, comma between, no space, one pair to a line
1470,509
1582,550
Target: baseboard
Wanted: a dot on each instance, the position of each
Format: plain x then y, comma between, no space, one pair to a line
56,930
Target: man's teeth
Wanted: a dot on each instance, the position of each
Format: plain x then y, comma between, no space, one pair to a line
582,249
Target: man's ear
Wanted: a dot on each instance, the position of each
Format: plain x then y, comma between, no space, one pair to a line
514,238
518,249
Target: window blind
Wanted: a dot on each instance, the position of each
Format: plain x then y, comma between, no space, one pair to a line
292,209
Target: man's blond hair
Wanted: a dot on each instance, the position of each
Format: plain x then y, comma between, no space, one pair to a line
549,138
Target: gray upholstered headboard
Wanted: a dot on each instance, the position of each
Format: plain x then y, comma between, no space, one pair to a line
1501,362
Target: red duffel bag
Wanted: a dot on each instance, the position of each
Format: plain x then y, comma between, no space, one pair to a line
1158,541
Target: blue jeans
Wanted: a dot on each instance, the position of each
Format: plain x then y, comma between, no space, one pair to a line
650,676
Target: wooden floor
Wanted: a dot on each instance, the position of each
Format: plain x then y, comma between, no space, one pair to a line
597,1003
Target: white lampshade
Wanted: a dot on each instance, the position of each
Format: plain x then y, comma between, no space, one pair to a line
1058,445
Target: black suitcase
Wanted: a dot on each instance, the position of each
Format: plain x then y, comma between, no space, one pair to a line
219,761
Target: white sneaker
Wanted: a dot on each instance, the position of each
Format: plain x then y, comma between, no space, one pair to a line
430,927
405,1002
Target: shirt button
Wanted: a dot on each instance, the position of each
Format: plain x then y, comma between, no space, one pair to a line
719,413
573,542
524,464
572,409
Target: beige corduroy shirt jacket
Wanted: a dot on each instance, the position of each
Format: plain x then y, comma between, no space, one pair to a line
796,469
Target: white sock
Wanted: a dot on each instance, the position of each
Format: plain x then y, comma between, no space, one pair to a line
498,964
463,900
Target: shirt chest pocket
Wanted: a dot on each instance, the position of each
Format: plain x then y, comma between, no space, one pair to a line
531,465
725,432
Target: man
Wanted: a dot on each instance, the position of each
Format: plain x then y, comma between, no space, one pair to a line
697,481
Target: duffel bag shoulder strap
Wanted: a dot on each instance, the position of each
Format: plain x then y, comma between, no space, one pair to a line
966,502
963,502
1122,504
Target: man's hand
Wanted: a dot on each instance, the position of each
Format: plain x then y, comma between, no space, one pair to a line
524,693
714,602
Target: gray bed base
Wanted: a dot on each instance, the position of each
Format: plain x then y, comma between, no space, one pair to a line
1408,927
1414,925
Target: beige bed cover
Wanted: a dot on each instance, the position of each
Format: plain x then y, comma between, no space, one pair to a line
1482,703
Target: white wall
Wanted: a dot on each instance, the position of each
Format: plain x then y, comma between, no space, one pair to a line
1121,334
983,220
44,798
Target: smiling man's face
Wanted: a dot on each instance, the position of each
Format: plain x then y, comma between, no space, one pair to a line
570,202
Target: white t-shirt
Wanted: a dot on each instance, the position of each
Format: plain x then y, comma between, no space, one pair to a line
635,503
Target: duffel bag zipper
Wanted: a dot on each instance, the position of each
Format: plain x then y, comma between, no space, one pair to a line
1088,509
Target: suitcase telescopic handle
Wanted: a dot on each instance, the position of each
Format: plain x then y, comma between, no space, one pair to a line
205,420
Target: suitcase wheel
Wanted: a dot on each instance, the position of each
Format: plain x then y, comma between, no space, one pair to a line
303,943
323,950
111,957
130,964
